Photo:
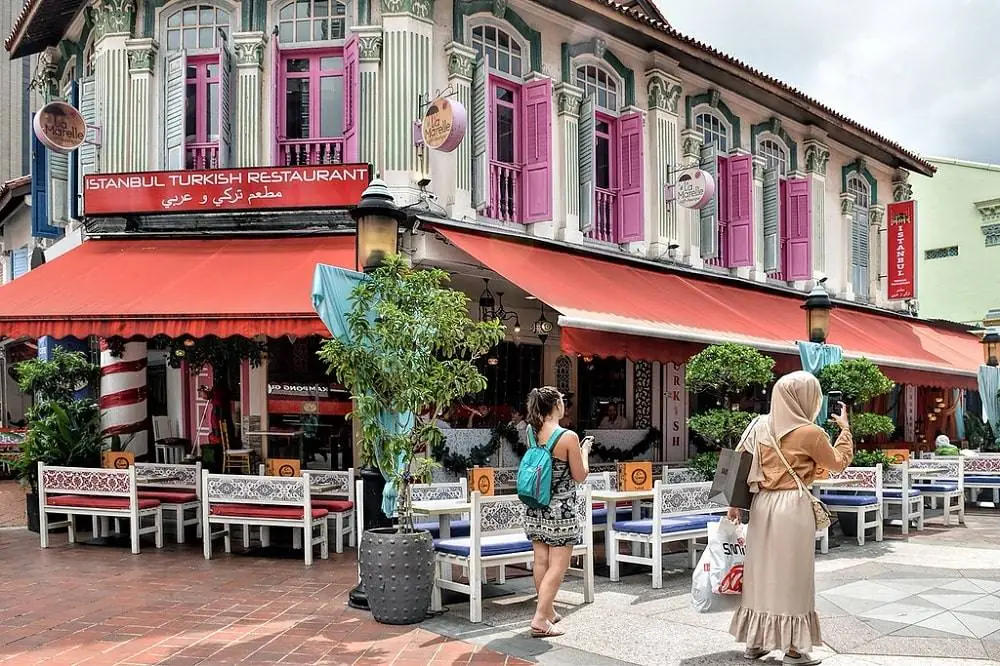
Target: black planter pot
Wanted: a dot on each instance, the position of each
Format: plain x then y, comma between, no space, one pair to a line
397,571
848,524
372,486
31,509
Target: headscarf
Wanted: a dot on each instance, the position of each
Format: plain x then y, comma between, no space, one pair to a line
795,402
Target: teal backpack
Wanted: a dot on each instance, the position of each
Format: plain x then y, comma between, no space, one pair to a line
534,476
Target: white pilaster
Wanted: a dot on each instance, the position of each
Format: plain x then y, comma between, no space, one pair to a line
758,274
689,220
461,63
113,21
141,56
248,50
663,94
567,144
842,269
371,128
817,156
876,256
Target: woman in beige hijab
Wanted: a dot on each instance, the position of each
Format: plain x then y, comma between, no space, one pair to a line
778,611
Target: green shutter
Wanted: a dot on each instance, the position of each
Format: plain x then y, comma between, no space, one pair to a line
480,135
588,140
710,213
225,107
772,221
860,254
174,97
87,153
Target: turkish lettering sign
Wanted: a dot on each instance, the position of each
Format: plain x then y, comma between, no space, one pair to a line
902,250
225,190
675,393
60,127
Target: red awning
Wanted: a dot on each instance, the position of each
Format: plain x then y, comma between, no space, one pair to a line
616,309
259,286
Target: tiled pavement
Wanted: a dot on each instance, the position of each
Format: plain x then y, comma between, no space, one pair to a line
98,605
11,504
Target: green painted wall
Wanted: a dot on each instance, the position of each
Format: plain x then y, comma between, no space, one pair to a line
964,287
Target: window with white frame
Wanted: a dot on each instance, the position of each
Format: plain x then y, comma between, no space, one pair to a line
859,189
714,130
88,58
775,154
197,27
502,52
312,21
599,85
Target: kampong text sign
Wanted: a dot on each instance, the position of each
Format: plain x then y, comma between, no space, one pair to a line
225,190
902,250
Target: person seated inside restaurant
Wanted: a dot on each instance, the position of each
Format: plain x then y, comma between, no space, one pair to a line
614,420
517,420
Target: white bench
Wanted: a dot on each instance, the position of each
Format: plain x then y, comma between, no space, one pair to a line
265,502
681,512
497,539
338,499
898,490
949,486
179,495
861,495
982,472
98,493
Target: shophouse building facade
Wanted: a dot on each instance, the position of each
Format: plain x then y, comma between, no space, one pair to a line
582,117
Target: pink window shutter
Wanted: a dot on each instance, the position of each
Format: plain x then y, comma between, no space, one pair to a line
798,239
631,220
739,200
276,79
351,94
536,121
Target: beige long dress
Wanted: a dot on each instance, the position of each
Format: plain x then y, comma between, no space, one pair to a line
778,610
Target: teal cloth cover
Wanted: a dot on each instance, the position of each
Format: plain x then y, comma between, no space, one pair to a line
814,358
331,297
959,400
989,383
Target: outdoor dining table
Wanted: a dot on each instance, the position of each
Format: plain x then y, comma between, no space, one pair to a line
633,497
444,510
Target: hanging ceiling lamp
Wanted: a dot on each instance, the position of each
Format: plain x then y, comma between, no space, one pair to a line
542,326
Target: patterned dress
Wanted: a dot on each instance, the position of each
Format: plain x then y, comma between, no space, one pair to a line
558,524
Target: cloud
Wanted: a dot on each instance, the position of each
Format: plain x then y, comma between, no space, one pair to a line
921,72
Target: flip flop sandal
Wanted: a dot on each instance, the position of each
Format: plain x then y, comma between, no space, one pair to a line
557,618
549,632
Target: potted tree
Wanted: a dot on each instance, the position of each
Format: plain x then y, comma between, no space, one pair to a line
411,350
62,429
725,372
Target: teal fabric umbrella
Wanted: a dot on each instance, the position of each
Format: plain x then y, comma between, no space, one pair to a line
959,400
989,383
815,357
331,296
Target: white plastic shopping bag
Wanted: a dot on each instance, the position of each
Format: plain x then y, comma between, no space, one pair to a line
718,580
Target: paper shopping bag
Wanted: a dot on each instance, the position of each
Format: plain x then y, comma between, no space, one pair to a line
730,487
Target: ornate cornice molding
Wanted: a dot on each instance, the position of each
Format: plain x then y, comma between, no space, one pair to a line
663,92
461,60
568,98
113,17
817,157
901,188
141,55
422,9
248,49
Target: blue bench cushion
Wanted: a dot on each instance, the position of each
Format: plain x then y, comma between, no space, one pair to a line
937,487
848,500
459,528
601,515
497,544
985,480
897,493
670,525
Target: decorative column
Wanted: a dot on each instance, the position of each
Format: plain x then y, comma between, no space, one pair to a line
113,21
568,99
901,188
248,51
690,219
123,394
759,165
817,156
846,245
876,264
141,56
370,59
461,63
663,94
407,35
44,81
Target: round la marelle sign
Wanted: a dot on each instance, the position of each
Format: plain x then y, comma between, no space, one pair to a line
695,189
444,124
60,127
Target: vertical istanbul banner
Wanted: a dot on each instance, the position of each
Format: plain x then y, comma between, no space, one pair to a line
902,252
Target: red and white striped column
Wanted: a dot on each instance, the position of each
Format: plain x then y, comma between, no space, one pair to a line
123,395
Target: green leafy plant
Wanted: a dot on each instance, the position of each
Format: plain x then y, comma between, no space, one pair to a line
979,433
720,427
62,430
705,464
871,425
871,458
859,380
412,349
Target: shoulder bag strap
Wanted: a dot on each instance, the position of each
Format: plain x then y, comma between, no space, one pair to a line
791,472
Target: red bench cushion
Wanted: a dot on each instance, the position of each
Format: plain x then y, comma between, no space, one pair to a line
99,502
334,506
263,511
168,496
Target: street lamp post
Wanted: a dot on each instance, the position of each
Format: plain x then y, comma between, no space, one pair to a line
817,307
991,347
378,219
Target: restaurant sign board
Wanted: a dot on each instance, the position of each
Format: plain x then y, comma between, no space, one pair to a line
902,250
444,124
225,190
695,189
60,127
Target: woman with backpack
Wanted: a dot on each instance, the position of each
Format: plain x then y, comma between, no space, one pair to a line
551,521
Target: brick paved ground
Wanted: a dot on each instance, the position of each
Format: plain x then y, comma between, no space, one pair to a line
99,605
11,504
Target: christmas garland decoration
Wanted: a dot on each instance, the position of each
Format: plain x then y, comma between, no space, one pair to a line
479,456
607,454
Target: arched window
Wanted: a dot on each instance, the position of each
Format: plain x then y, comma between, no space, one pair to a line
600,85
88,59
196,27
312,21
857,187
776,155
715,131
502,52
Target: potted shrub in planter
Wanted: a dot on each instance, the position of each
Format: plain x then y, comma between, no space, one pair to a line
62,430
410,351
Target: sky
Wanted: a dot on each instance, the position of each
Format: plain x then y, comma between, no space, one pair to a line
924,73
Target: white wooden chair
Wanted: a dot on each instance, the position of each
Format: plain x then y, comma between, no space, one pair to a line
681,512
180,496
165,435
862,495
949,487
898,491
982,472
339,501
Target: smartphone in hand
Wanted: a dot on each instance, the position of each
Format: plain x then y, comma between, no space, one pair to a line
833,402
